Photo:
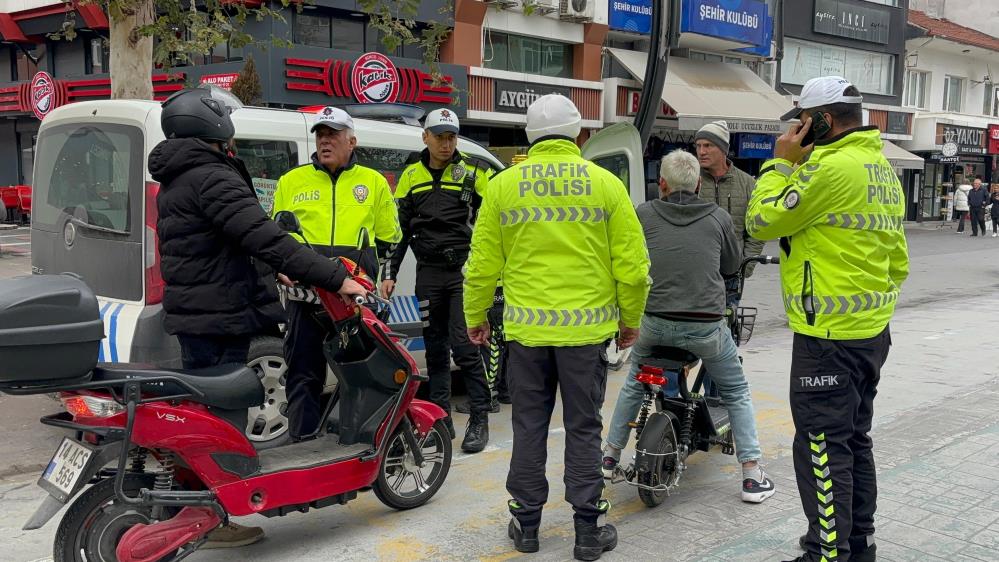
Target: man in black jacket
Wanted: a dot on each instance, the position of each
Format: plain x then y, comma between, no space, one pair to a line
211,230
978,198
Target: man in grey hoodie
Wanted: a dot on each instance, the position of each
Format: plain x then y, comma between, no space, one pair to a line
694,249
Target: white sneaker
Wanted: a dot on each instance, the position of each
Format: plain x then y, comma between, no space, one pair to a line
756,491
995,234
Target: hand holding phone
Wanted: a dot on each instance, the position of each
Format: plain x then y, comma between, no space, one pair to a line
790,145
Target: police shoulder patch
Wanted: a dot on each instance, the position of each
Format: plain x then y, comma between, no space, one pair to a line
792,199
457,172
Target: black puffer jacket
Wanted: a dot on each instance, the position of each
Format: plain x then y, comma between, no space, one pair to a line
211,227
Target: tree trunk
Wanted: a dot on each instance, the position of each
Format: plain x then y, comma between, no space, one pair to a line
132,54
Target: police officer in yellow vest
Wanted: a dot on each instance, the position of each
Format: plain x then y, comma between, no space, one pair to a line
438,198
564,237
333,197
839,220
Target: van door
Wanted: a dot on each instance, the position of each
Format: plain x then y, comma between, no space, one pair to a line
87,217
618,148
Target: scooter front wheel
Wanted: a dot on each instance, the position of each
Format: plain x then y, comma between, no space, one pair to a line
401,483
95,522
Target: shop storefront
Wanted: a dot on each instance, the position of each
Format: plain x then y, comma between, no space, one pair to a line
498,102
302,76
955,154
724,45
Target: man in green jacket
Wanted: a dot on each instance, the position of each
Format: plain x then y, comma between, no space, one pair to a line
727,186
839,219
562,234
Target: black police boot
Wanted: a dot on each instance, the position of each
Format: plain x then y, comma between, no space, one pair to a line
593,540
525,539
476,433
863,549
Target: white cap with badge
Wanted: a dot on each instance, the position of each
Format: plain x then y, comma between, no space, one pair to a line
820,92
334,118
441,121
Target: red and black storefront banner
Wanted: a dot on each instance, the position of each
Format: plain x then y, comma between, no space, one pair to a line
42,93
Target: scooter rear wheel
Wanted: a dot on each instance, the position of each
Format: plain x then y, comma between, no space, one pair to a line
401,484
656,464
95,522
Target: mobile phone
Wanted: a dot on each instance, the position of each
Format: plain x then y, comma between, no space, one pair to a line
819,129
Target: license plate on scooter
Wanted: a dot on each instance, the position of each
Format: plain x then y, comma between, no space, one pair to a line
68,465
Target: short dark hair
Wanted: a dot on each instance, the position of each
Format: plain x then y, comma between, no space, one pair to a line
847,114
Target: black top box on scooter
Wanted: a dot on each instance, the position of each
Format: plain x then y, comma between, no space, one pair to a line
50,329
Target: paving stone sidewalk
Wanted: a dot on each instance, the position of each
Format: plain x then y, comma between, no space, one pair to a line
937,470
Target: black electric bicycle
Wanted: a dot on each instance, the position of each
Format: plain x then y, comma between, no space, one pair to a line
680,425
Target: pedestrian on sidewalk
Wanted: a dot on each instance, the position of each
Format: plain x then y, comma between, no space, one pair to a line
844,258
994,202
978,198
562,234
961,205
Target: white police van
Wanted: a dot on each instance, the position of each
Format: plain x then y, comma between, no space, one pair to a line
95,215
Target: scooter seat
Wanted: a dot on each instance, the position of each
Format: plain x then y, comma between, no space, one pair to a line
671,358
229,387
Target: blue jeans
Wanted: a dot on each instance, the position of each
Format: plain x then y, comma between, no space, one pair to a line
712,342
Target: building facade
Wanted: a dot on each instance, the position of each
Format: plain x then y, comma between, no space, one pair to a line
949,82
865,42
723,70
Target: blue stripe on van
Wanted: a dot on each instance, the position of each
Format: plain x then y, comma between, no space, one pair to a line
405,308
100,353
415,344
114,333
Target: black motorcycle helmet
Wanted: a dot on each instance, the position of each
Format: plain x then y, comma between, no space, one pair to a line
200,113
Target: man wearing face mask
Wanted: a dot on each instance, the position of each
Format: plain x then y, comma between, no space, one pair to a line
439,197
334,198
839,219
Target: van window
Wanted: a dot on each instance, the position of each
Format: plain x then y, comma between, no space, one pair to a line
389,161
266,160
85,171
618,165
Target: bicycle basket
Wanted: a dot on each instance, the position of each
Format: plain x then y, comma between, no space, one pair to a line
745,322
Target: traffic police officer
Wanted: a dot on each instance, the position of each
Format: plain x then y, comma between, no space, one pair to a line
333,197
564,237
839,216
438,199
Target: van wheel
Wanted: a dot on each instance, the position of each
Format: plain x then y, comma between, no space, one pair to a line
267,424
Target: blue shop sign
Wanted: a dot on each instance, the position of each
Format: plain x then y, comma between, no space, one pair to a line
755,146
631,15
744,21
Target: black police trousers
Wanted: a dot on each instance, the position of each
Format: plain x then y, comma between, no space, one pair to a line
306,374
535,374
439,290
833,384
199,352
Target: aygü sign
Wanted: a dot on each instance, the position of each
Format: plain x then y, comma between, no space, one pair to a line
515,97
735,20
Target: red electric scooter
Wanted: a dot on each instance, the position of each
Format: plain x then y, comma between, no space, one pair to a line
165,450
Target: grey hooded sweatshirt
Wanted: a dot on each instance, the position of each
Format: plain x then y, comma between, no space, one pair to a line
693,245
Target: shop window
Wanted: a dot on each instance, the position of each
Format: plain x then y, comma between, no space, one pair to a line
313,31
32,59
266,161
348,34
530,55
97,56
870,72
916,86
991,105
224,52
953,98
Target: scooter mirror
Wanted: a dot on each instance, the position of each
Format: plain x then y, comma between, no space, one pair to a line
288,222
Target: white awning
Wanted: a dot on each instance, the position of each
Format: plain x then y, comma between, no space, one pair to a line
701,92
901,158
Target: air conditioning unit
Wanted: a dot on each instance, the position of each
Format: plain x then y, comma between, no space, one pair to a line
576,10
502,3
543,6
